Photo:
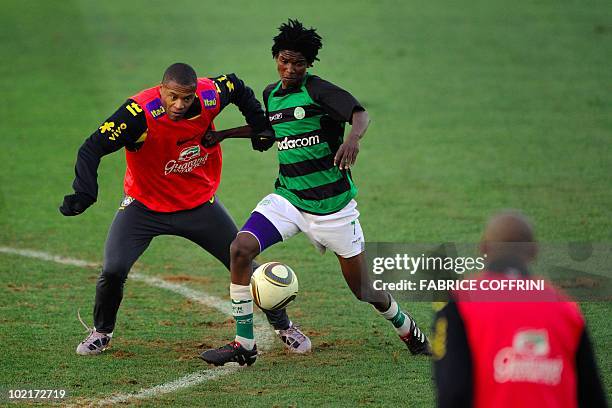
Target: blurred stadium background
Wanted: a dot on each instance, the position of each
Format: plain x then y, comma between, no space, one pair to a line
475,106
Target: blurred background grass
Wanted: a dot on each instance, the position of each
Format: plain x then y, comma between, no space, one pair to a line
475,107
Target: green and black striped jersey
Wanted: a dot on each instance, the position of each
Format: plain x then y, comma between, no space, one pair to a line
309,126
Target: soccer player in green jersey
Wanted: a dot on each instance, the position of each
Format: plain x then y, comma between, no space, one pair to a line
314,192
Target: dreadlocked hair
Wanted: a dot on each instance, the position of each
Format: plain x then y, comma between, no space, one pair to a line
295,37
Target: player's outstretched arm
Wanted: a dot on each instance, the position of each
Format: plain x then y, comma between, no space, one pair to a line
348,151
212,137
261,140
233,90
122,129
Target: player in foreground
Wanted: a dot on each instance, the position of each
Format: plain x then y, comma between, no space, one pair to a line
170,181
314,191
509,349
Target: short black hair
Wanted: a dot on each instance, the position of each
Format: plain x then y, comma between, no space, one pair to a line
295,37
182,74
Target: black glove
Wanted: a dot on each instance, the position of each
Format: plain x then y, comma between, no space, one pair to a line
263,140
76,203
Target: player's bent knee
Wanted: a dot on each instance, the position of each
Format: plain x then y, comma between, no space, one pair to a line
115,271
244,248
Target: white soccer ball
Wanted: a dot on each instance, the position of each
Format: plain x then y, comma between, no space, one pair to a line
273,286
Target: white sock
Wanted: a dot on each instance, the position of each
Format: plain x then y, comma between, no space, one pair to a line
242,310
400,321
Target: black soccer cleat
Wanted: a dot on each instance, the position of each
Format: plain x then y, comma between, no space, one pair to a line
231,352
416,341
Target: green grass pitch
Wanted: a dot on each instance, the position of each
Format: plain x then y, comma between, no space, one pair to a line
475,107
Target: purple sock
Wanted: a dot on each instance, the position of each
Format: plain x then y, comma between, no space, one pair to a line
265,232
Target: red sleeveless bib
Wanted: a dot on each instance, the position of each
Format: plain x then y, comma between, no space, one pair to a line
172,171
523,351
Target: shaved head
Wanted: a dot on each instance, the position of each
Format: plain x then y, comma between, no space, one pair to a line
509,235
180,73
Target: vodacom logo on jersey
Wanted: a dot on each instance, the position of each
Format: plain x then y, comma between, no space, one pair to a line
189,158
295,143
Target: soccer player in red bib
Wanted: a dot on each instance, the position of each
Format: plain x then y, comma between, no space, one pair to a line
170,180
530,350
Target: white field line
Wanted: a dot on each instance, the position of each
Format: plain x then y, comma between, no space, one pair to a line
262,332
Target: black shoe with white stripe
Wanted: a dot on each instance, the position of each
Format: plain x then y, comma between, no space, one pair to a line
416,341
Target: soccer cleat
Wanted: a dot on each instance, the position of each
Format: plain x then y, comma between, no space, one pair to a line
93,344
231,352
416,341
294,339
